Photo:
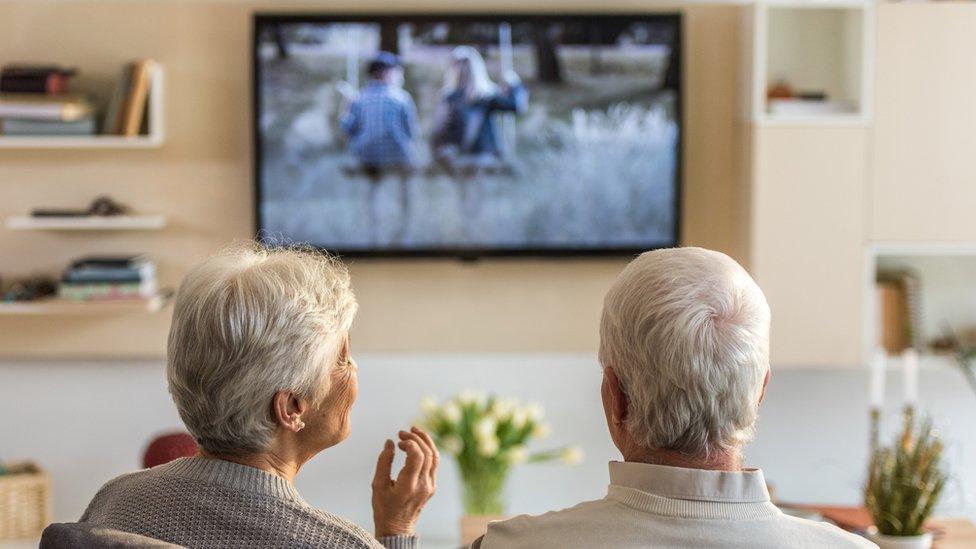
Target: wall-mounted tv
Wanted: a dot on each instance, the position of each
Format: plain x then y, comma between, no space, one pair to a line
468,135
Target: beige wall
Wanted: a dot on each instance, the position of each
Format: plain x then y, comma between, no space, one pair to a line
201,180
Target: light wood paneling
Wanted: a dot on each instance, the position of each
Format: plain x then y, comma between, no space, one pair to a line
201,181
808,203
924,181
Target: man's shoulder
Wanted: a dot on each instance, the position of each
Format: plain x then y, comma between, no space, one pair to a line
521,531
828,533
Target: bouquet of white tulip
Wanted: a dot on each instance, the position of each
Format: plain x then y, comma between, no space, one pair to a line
487,436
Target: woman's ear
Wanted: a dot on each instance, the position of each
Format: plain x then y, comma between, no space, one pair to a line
287,409
762,394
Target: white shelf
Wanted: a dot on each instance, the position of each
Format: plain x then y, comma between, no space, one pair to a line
58,307
92,223
154,139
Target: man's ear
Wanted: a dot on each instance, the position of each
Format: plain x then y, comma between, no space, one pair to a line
287,409
762,394
618,398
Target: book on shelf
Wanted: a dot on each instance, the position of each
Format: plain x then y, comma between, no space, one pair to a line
96,278
126,111
898,311
29,78
27,127
65,107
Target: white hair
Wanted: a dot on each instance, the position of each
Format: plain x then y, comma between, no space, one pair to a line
249,322
479,84
686,331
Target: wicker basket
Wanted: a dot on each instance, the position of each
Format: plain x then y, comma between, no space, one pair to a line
25,501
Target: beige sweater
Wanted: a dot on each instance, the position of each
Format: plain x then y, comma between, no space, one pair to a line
664,507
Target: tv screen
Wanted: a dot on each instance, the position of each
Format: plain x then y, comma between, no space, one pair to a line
468,135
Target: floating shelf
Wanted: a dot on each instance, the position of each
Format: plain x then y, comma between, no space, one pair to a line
56,306
154,139
90,223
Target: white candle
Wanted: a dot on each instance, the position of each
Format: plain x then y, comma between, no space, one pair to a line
910,372
878,379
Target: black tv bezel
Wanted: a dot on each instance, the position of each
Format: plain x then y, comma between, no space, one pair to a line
260,19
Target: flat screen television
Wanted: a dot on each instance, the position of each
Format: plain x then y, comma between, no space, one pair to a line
469,135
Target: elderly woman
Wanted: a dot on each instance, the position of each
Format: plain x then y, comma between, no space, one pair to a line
260,370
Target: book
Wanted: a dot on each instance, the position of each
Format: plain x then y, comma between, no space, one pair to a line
45,79
24,126
117,290
65,107
134,107
110,262
112,120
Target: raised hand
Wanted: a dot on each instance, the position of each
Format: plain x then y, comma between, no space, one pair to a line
397,503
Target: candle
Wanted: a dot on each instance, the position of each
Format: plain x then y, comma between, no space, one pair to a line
878,379
910,372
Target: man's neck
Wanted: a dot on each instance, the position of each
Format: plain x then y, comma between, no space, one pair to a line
726,461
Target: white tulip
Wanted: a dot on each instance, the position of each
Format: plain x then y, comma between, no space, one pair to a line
519,418
534,411
452,445
503,407
572,455
428,405
541,430
451,413
488,446
486,427
471,397
517,455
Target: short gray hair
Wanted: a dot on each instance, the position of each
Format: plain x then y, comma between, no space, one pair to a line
686,331
248,322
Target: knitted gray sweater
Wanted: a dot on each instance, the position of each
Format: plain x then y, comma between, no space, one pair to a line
198,502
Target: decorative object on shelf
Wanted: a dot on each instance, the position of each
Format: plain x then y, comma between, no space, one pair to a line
899,310
487,436
165,448
30,289
903,486
780,89
25,501
103,205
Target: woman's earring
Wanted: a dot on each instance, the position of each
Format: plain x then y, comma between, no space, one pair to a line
301,425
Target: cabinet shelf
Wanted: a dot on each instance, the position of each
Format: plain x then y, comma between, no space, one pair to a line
58,307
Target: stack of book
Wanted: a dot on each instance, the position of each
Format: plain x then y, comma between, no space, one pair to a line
98,278
34,100
126,112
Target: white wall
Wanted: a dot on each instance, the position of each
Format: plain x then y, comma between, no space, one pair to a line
86,422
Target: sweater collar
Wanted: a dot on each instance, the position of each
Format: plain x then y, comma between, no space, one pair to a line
690,493
231,475
746,486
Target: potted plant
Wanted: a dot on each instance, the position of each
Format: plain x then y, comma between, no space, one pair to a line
487,436
903,487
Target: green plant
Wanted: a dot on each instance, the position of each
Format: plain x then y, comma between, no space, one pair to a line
487,436
905,480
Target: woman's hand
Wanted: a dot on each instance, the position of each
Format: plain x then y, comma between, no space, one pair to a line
397,503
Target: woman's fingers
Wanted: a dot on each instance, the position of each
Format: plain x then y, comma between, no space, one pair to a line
384,466
436,456
414,465
428,452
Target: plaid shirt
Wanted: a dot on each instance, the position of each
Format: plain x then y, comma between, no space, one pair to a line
381,124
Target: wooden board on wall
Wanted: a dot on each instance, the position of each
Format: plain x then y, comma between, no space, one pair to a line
201,180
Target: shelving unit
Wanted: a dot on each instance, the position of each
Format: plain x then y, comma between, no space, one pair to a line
92,223
153,139
63,307
948,299
786,43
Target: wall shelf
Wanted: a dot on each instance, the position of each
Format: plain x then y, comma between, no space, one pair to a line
61,307
153,139
90,223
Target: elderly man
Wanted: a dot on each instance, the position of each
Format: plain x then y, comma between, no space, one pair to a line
684,344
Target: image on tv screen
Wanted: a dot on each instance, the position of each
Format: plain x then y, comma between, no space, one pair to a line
450,135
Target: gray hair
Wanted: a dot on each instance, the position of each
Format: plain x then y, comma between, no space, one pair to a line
686,331
249,322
